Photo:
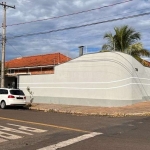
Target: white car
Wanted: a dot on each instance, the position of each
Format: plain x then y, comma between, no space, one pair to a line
12,97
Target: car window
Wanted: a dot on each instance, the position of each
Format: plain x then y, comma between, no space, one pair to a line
3,91
16,92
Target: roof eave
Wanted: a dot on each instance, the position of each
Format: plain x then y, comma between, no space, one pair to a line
32,67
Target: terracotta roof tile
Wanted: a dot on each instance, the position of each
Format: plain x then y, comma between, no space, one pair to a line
146,63
38,60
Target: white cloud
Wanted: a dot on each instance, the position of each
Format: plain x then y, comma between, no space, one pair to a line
67,41
146,58
21,2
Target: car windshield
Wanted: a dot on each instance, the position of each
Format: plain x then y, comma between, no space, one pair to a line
16,92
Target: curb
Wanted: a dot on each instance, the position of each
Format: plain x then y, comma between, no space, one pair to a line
116,114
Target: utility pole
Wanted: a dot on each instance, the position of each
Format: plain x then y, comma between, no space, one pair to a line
3,44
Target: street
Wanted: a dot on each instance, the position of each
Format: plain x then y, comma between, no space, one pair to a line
22,129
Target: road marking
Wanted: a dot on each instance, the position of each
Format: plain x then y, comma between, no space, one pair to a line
9,136
70,141
2,128
2,140
47,125
24,128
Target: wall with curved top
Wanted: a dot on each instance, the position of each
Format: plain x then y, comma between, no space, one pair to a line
99,79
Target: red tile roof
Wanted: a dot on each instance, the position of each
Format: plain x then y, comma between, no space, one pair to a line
38,60
146,63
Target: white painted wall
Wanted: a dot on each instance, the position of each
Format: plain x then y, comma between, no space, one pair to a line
99,79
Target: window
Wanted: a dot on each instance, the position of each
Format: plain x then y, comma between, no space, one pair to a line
3,91
16,92
11,71
0,91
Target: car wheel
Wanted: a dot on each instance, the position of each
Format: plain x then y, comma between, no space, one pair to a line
3,104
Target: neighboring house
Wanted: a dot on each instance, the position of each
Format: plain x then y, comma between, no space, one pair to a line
33,65
146,63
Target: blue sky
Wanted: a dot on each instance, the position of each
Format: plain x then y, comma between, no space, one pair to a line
68,41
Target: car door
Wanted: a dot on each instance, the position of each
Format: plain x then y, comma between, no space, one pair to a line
1,95
4,95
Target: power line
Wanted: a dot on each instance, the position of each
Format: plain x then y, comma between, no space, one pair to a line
80,26
117,15
62,39
14,48
71,13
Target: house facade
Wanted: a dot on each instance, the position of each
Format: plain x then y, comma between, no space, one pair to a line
109,79
32,65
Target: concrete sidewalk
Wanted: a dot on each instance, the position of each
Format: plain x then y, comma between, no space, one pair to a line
139,109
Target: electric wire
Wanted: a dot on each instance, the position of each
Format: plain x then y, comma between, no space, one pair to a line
80,26
98,19
84,11
13,48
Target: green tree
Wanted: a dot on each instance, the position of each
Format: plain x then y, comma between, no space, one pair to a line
111,42
137,50
125,40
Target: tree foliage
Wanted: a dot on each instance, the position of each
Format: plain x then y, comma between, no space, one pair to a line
125,40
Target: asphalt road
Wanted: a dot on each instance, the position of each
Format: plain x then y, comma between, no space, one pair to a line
22,129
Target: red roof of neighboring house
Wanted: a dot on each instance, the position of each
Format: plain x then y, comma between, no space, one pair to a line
38,60
146,63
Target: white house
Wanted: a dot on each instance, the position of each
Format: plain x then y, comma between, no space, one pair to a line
100,79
